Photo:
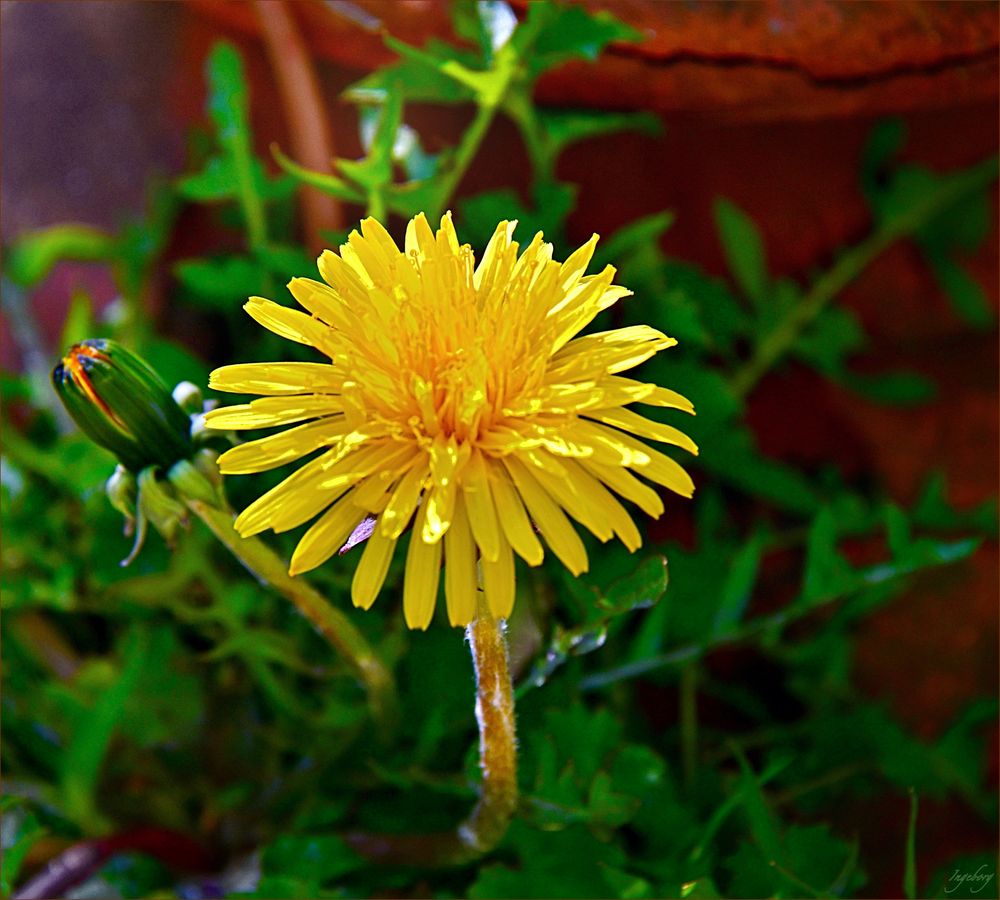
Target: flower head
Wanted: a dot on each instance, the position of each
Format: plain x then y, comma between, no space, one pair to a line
455,396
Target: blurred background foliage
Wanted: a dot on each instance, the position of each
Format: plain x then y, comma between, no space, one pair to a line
689,717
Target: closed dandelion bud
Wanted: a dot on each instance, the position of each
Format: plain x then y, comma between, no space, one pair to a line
189,397
123,405
122,492
159,504
191,482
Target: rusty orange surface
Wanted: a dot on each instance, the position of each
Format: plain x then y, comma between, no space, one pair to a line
798,59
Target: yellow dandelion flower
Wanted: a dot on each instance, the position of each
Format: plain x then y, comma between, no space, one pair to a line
455,396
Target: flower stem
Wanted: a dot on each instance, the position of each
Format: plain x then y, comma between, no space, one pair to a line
486,825
329,621
488,822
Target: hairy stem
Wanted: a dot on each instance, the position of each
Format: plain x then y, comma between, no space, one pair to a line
329,621
486,825
488,822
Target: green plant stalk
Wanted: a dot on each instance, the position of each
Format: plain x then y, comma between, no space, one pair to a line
253,208
465,153
486,825
509,67
329,621
854,261
770,624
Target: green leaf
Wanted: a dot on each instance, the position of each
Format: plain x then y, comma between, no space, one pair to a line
829,341
418,76
228,105
826,572
552,203
375,170
328,183
483,84
572,32
287,261
27,832
738,462
638,590
224,282
30,258
744,250
264,645
763,823
85,753
219,180
561,128
966,294
633,238
315,858
574,864
893,388
884,143
933,510
739,585
173,362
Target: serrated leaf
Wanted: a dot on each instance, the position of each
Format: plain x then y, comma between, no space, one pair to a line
326,182
572,32
219,181
560,128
